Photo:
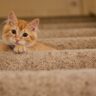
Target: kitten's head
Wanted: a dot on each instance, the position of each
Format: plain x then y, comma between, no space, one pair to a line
20,32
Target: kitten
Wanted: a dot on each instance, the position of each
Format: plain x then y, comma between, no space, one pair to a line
21,35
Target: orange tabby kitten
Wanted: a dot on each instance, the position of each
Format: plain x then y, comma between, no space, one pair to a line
21,35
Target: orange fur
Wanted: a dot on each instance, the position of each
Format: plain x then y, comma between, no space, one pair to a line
19,38
21,26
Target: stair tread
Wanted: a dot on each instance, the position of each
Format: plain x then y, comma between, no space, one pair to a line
71,42
49,60
52,83
70,32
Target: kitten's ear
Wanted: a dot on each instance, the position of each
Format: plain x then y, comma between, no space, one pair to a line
33,25
12,19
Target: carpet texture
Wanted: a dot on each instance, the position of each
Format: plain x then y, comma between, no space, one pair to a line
67,32
48,83
68,71
44,60
72,43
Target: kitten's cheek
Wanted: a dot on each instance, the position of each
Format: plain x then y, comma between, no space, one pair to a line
12,40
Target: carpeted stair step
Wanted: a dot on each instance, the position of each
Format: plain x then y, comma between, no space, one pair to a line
70,19
71,43
67,25
48,83
69,32
49,60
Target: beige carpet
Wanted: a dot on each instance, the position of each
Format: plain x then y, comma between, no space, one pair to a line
66,59
68,71
48,83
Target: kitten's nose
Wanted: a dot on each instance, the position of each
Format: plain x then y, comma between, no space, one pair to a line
17,38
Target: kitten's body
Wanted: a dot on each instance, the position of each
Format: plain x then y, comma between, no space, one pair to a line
27,43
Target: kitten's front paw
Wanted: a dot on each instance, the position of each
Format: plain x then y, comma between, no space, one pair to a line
19,49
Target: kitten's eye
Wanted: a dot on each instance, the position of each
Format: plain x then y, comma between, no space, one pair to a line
14,31
25,34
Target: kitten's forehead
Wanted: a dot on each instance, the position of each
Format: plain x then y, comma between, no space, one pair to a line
22,24
24,30
14,27
19,27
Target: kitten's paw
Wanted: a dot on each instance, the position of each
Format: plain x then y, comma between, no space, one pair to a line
20,49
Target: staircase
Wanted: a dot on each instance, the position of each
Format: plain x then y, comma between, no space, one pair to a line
68,71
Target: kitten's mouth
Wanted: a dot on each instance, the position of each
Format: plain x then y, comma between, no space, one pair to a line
17,43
